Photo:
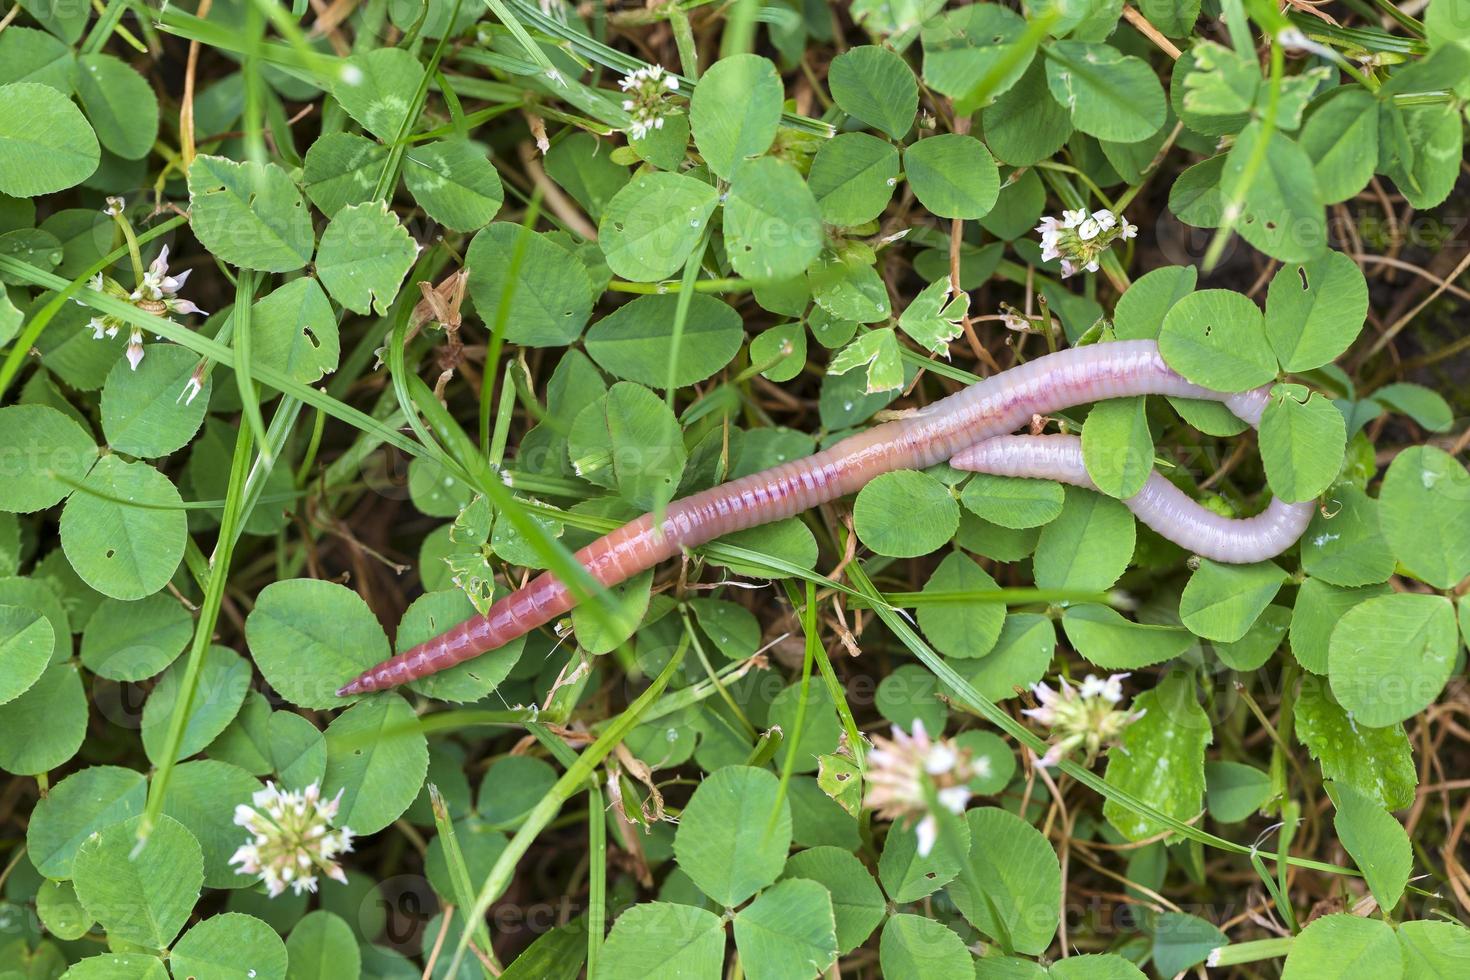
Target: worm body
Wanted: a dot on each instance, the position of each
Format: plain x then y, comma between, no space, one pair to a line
989,408
1160,504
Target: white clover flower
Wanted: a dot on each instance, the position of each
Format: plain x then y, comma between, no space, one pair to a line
1090,717
1078,239
156,293
292,838
897,769
647,89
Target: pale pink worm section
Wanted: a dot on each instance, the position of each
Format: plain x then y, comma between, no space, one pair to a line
992,407
1160,504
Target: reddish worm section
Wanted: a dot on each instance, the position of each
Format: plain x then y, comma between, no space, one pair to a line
983,411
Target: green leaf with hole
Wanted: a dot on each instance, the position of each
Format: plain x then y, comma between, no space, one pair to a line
364,255
1424,510
377,757
734,834
1314,310
1303,440
1217,338
124,531
875,86
140,891
735,111
249,214
550,296
454,182
772,224
652,224
953,175
309,637
905,514
294,330
1281,208
1390,656
906,875
1117,446
46,144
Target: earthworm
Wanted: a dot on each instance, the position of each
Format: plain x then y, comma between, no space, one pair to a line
983,411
